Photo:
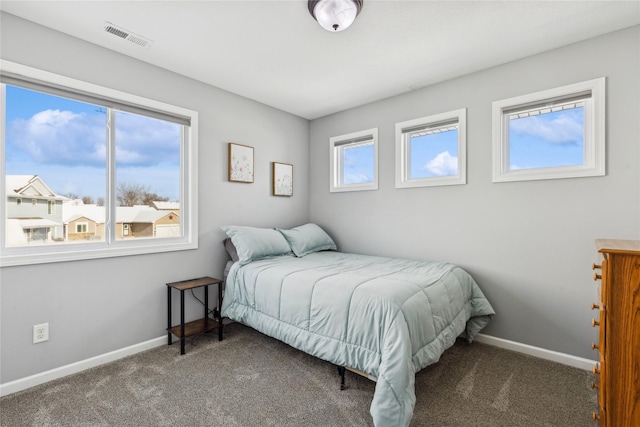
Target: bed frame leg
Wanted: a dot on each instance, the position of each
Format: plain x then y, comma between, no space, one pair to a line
341,372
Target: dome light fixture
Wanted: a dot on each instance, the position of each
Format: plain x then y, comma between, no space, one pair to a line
335,15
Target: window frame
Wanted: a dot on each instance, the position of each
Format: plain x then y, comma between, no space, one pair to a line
336,149
594,159
111,247
403,152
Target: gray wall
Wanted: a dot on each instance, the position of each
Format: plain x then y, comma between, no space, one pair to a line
529,244
98,306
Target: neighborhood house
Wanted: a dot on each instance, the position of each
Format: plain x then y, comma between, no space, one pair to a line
37,215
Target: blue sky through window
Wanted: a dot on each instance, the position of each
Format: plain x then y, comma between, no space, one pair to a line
547,140
434,155
358,164
64,142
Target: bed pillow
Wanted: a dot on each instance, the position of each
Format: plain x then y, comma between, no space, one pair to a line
308,238
254,243
231,249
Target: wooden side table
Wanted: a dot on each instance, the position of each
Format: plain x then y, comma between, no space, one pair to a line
206,324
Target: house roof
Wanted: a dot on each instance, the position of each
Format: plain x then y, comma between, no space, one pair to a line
31,186
124,214
26,223
144,214
72,212
167,206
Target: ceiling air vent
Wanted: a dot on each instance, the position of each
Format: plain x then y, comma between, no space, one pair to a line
126,35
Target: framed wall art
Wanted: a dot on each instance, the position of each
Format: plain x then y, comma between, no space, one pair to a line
240,163
282,179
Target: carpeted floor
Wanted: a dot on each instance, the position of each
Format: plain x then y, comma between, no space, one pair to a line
249,379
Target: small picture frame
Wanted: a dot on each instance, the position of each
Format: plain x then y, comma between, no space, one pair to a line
282,179
240,163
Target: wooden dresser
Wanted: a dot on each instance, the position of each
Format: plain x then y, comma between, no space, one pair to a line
618,372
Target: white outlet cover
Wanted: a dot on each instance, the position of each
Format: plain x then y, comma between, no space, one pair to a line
40,333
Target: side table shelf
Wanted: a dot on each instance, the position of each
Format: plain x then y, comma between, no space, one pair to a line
206,324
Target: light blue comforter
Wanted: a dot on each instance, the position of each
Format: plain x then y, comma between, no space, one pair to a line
386,317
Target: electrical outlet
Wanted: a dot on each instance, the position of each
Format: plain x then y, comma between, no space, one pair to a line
40,333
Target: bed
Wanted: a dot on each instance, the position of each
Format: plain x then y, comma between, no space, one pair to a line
385,317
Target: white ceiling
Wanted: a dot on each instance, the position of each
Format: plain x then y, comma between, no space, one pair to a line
275,53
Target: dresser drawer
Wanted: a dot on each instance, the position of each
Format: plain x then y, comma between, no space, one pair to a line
618,339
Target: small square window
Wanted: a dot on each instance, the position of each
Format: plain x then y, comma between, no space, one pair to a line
558,133
431,150
354,161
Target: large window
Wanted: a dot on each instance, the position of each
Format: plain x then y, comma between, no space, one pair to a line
110,173
558,133
354,161
431,150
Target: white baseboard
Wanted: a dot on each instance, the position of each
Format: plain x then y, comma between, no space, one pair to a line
565,359
63,371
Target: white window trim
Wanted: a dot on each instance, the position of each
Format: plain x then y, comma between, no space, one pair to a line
403,153
336,161
594,135
82,224
189,185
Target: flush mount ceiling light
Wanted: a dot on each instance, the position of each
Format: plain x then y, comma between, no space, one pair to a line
335,15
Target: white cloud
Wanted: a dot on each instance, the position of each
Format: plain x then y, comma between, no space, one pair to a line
357,178
53,118
68,150
143,141
444,164
79,139
59,137
557,128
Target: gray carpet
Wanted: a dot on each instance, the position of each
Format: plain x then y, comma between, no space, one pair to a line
252,380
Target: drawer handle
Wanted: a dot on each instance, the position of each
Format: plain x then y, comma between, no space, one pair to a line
595,416
597,276
594,346
595,370
594,323
594,266
595,306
